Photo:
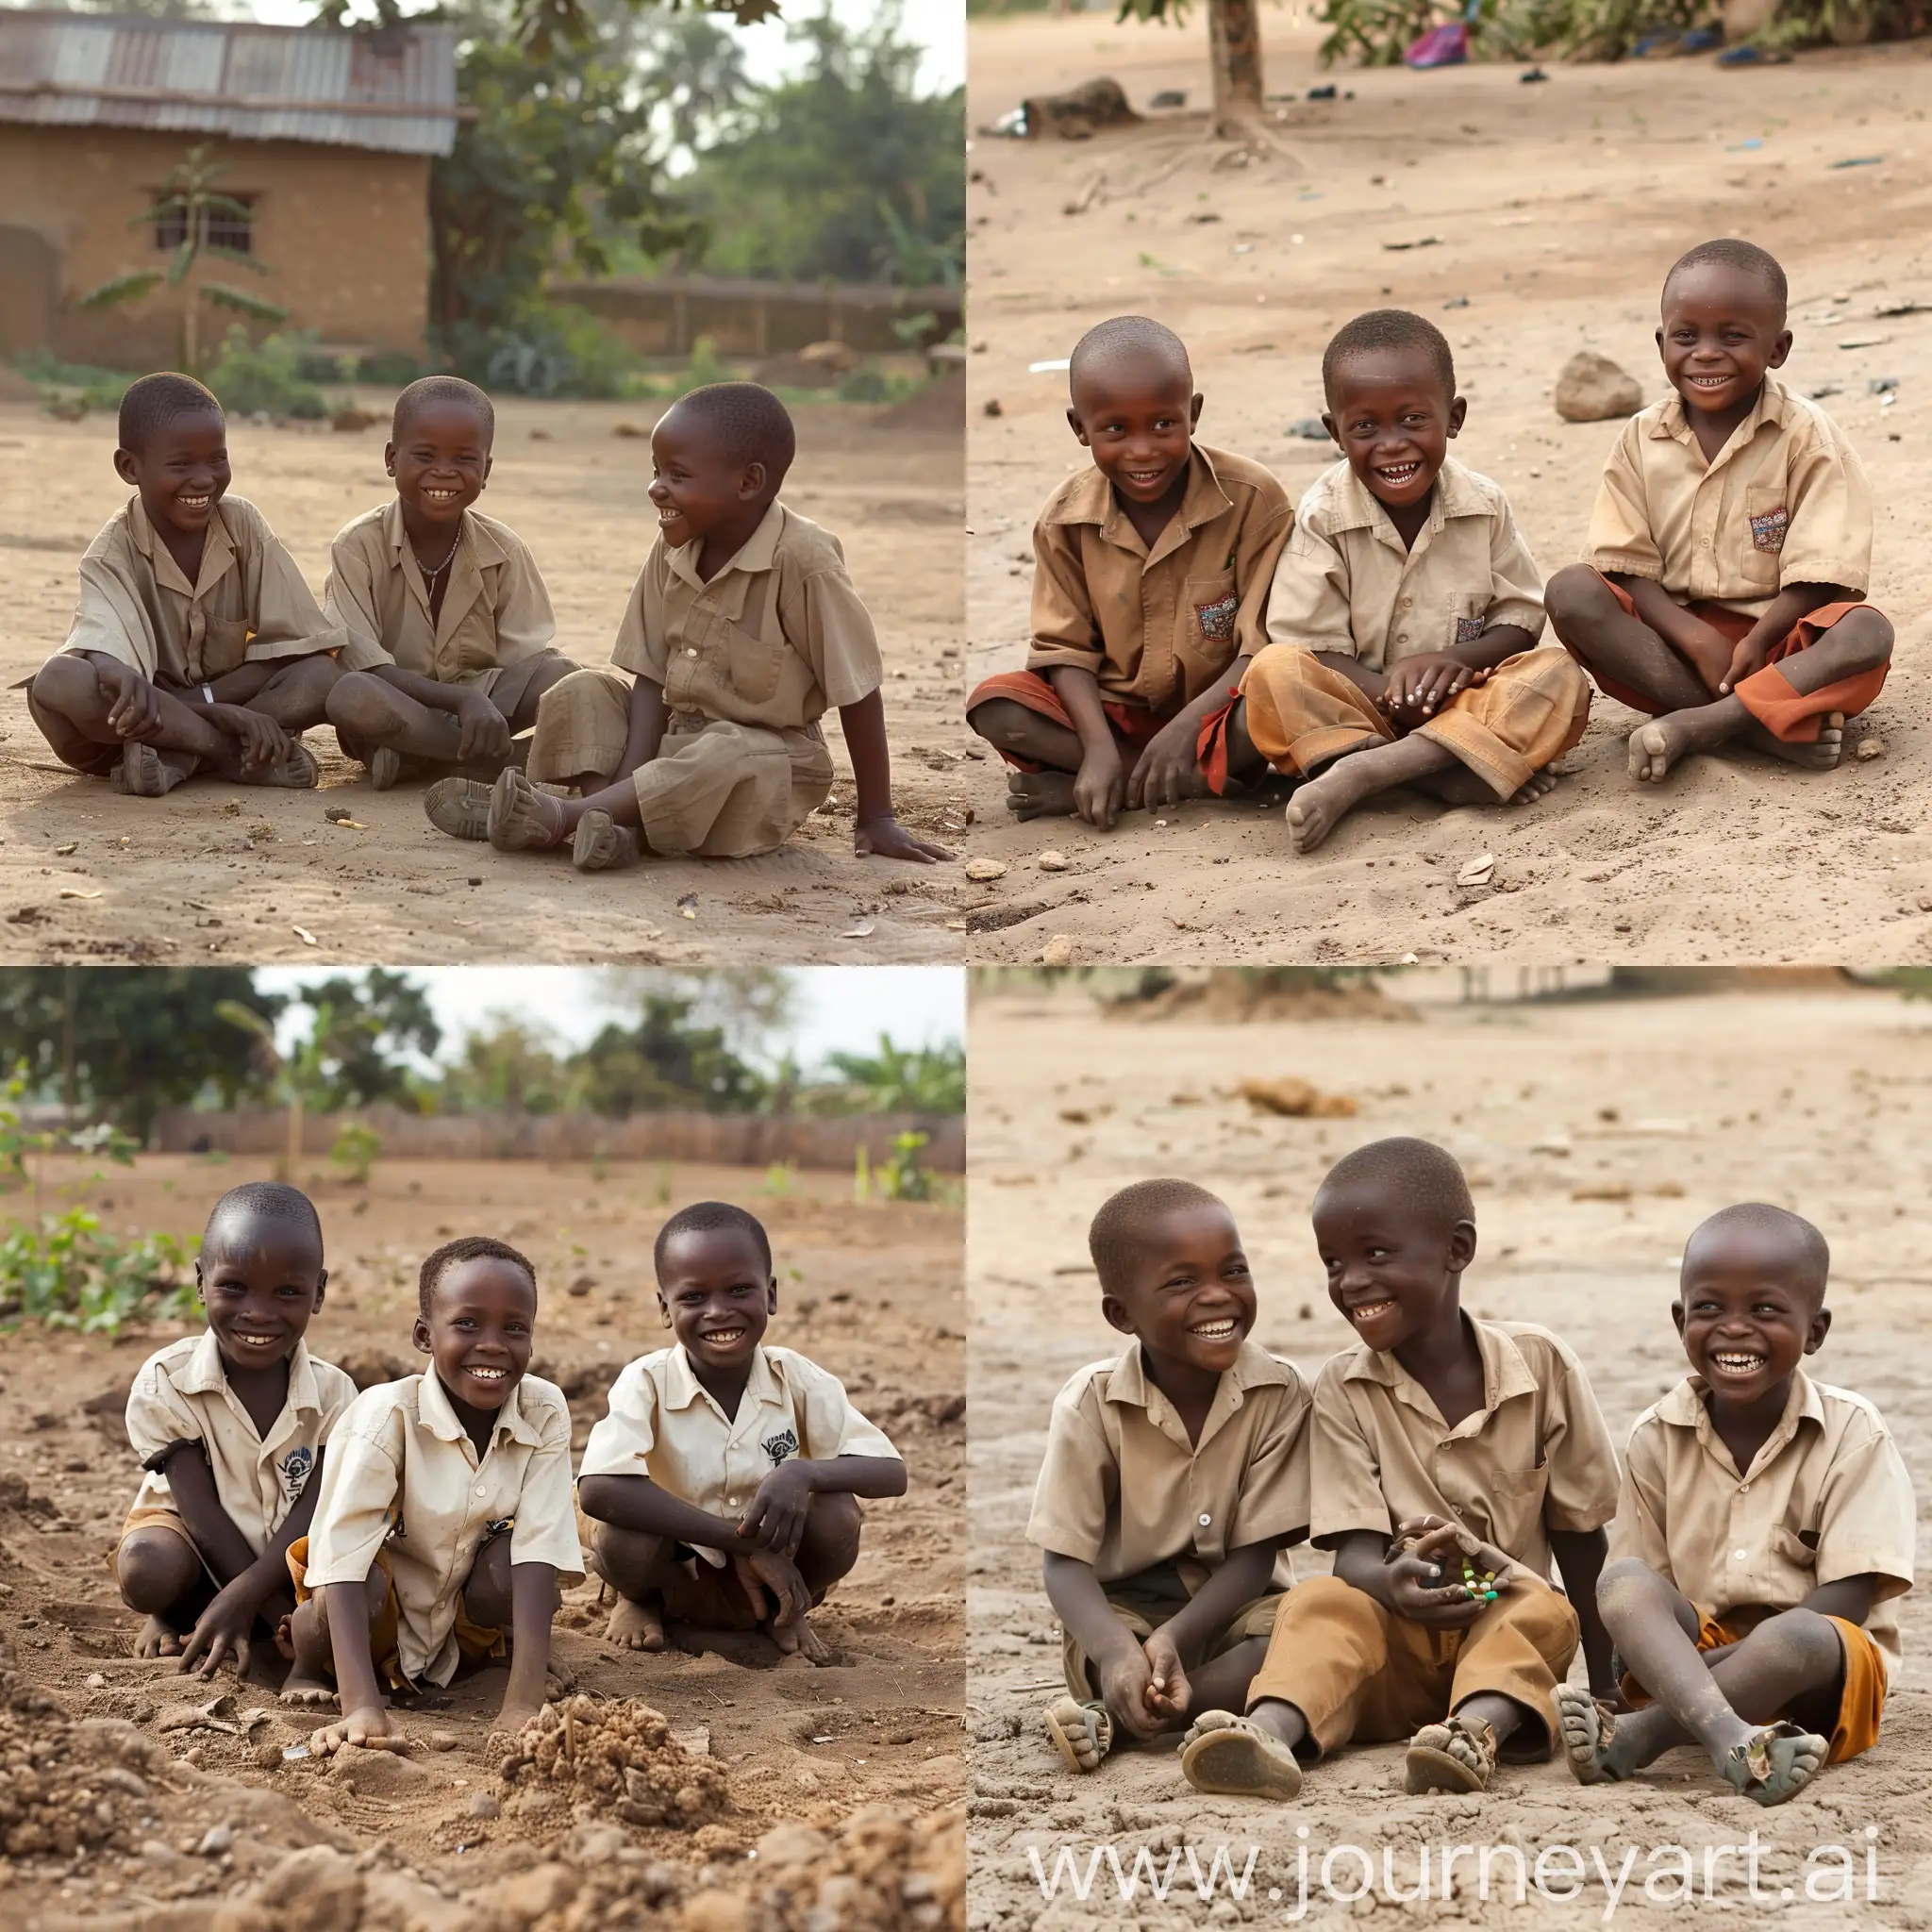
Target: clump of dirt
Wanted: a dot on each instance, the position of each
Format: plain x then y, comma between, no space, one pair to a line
1297,1099
54,1798
1279,992
619,1757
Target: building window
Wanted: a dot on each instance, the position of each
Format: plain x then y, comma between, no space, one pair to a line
220,227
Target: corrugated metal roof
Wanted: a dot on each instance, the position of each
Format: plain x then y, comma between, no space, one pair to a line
392,90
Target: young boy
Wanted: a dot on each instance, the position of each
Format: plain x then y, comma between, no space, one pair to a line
1763,1535
446,1518
196,644
1451,1458
230,1428
449,624
1405,611
1730,549
1175,1475
1151,577
704,738
722,1486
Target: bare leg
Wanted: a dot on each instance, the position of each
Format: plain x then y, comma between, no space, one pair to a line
294,692
161,1575
1611,642
1010,727
67,687
827,1552
637,1567
1222,1683
313,1678
363,708
1322,803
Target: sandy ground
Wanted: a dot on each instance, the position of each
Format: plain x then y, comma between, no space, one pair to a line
395,889
1556,209
1669,1110
872,1293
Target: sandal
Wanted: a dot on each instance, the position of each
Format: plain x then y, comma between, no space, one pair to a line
1435,1762
603,845
458,807
1585,1728
1776,1762
1231,1757
1082,1733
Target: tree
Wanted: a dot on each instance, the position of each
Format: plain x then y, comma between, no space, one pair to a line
667,1059
895,1079
363,1030
507,1066
1234,55
749,1005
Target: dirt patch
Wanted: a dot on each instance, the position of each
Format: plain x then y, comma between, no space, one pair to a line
1228,996
614,1757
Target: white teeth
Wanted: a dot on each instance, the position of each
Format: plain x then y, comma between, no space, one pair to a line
1741,1364
1213,1331
490,1374
1369,1310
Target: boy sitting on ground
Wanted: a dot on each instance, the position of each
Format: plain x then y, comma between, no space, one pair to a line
1151,575
197,644
1764,1534
449,624
446,1518
703,738
1175,1475
1730,549
722,1486
1450,1458
230,1426
1406,609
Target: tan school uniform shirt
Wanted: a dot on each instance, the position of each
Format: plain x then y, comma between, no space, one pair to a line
1158,626
1123,1489
181,1395
1346,583
776,639
249,601
403,1477
1826,1497
664,1424
1535,1458
1786,501
495,608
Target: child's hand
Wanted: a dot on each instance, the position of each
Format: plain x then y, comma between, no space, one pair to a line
262,741
1168,1692
1169,766
366,1730
760,1570
1747,657
775,1518
134,706
1123,1686
1422,685
485,731
223,1631
887,838
1100,787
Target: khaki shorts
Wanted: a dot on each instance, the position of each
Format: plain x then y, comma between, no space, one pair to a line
1145,1602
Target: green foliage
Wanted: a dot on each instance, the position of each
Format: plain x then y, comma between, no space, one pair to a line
354,1055
664,1060
99,388
895,1079
353,1157
69,1272
781,1180
265,376
557,350
506,1066
900,1177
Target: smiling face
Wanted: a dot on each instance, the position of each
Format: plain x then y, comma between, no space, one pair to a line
1722,329
1187,1292
1750,1308
1394,1268
1136,412
183,473
718,1294
479,1330
441,461
1392,415
261,1281
695,485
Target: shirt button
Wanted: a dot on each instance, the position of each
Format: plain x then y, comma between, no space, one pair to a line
1740,1555
1402,637
690,653
1407,602
480,1489
1206,1520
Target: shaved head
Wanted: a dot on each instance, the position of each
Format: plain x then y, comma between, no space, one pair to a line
1790,1237
746,423
1384,331
430,389
1418,1172
256,1201
1130,348
1745,257
149,405
1121,1226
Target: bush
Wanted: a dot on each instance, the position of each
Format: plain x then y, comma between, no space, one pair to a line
554,350
265,376
68,1271
99,388
354,1154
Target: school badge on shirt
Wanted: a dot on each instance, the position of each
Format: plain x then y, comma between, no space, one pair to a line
1468,630
1768,531
779,1446
1217,619
295,1471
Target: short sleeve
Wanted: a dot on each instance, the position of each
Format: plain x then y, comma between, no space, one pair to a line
620,1441
641,646
1581,1460
1064,630
284,619
840,643
361,1477
349,599
1640,1527
158,1414
525,624
1621,537
1828,540
1264,532
547,1520
1308,604
1344,1472
109,622
830,1425
1867,1515
1078,1487
1516,585
1273,1504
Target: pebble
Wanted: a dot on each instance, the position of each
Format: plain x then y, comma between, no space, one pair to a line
1058,950
96,1681
1054,862
1869,748
215,1841
484,1806
983,870
442,1740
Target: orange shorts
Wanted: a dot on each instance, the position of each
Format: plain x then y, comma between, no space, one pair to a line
1861,1704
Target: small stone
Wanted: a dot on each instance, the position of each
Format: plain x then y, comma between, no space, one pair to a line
483,1806
216,1840
531,1894
1593,388
983,870
96,1681
1054,862
1058,950
442,1740
1871,746
992,407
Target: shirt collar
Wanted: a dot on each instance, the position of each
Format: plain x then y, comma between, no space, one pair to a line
1773,405
435,1412
1092,501
473,535
1685,1407
759,552
1127,1383
217,552
1505,1374
205,1372
682,1388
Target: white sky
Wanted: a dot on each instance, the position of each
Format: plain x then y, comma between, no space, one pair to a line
840,1009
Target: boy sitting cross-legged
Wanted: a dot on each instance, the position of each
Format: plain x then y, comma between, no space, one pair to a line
722,1488
1450,1459
1763,1538
1175,1475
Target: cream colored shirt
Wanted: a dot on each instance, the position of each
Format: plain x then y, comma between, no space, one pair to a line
1535,1458
1786,501
1157,627
1826,1497
1347,584
248,603
495,609
181,1395
1123,1489
664,1424
776,639
402,1475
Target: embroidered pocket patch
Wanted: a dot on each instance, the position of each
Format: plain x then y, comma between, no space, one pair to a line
1217,619
779,1446
1768,531
1469,629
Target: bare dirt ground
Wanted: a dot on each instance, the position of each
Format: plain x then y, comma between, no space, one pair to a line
195,876
1596,1134
873,1293
1555,211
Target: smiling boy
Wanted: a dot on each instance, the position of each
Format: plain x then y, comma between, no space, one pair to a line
703,738
450,634
722,1485
1175,1475
197,644
1730,549
1765,1532
1405,611
1151,575
230,1428
444,1519
1435,1433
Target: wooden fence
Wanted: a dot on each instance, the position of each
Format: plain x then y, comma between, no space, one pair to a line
665,316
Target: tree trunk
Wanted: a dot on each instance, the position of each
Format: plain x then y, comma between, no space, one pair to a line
191,343
292,1154
1234,39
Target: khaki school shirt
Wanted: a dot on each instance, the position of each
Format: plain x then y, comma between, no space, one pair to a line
1826,1497
776,639
1157,627
1123,1489
1347,584
403,1477
181,1395
1535,1458
495,609
249,602
664,1424
1786,501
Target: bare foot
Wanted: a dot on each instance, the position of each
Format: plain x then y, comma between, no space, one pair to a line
1655,748
157,1638
301,1687
635,1627
1040,795
1822,754
522,818
1322,803
800,1640
513,1717
1776,1762
1587,1734
298,772
366,1730
603,845
1539,786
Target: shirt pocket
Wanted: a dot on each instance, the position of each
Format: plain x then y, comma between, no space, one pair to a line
1516,1507
753,665
1210,609
1767,522
1791,1547
224,646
